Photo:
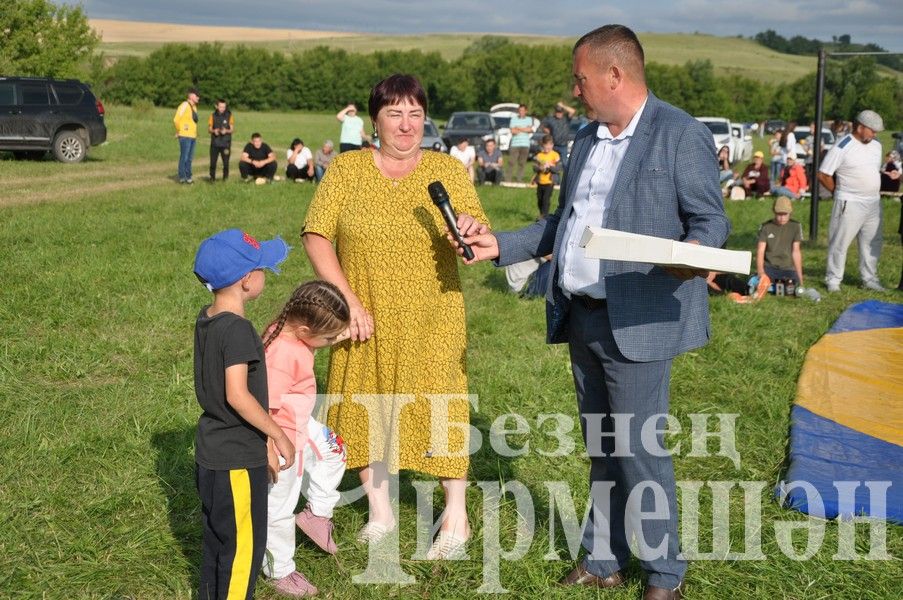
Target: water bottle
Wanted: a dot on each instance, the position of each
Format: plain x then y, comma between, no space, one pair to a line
753,284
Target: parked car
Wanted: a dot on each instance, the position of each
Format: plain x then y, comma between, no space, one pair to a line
502,114
804,143
721,133
774,125
431,136
577,123
742,140
477,127
41,114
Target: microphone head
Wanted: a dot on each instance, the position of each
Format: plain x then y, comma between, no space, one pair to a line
437,192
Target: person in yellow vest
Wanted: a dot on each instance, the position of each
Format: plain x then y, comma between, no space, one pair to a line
186,122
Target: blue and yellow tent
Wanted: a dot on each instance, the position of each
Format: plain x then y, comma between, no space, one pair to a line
847,421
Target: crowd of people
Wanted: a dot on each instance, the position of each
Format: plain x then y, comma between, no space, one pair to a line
852,171
257,162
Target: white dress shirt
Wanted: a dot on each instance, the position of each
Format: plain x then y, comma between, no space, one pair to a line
578,274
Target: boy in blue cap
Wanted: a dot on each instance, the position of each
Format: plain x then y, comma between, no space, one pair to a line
233,454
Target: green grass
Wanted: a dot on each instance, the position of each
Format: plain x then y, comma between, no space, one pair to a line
97,408
729,55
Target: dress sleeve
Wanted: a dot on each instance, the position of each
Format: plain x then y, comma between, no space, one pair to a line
329,199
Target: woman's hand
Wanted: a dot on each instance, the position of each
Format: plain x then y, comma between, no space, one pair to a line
360,328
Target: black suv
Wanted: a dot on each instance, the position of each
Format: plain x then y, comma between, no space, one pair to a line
477,127
38,114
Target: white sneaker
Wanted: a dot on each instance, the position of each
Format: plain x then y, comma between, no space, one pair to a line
874,286
833,287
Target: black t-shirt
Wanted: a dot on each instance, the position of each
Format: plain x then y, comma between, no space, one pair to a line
224,440
257,153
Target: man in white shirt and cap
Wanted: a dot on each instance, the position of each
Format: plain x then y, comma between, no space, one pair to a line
855,160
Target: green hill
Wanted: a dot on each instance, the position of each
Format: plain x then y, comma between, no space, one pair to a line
729,55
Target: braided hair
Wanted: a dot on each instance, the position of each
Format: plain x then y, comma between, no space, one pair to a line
317,304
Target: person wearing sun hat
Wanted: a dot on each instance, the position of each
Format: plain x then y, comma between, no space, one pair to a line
778,250
755,178
234,462
855,160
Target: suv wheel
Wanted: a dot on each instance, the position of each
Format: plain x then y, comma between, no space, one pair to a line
69,146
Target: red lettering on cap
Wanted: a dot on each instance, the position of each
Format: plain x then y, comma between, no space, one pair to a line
250,241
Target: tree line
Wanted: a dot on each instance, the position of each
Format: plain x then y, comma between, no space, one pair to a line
493,69
43,39
804,46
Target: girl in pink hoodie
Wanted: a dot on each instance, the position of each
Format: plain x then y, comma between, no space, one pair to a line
315,316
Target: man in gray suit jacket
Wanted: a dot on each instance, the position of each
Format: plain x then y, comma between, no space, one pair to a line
646,167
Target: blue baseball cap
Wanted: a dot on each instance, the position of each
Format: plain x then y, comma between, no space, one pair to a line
226,257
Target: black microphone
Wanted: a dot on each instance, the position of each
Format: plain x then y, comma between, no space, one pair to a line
440,199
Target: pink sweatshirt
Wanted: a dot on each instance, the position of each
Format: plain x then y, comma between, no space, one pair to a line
292,386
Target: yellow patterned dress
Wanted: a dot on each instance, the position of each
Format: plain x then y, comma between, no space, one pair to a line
403,391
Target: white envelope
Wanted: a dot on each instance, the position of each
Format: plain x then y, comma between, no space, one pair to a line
610,244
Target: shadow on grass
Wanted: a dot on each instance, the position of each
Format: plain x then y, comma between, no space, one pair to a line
176,474
496,280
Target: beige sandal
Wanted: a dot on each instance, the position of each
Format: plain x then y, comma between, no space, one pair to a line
373,532
447,546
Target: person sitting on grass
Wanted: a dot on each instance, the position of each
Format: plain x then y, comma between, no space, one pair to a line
489,159
755,177
463,151
793,180
725,174
300,166
257,161
890,173
778,252
323,158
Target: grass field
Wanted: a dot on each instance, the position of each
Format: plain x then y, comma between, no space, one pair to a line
97,408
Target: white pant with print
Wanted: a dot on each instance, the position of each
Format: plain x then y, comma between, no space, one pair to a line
323,461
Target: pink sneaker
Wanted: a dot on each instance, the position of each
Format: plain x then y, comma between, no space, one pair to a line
318,529
295,585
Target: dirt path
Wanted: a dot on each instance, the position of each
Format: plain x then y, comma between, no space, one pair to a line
69,174
65,187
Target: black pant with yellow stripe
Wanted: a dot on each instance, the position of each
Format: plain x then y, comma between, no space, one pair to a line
234,507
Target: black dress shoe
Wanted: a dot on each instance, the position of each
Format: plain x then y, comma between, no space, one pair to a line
580,576
656,593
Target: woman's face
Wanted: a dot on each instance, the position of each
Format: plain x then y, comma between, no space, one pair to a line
400,128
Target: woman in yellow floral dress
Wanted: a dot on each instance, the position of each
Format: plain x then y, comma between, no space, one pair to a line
373,231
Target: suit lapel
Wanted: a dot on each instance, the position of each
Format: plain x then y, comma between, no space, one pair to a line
635,152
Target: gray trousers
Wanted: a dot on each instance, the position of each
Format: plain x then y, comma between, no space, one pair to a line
611,388
849,220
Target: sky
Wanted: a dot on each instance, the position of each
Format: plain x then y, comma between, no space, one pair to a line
876,21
